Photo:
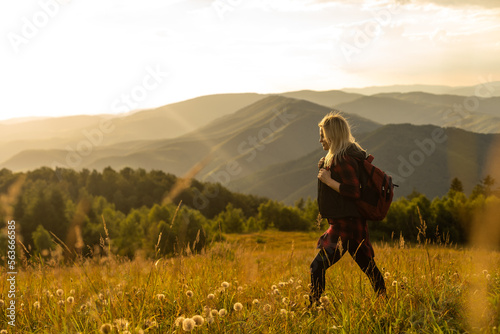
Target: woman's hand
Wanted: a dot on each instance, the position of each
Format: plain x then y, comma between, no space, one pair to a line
326,177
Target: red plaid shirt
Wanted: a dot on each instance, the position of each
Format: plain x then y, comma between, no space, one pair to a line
350,231
347,171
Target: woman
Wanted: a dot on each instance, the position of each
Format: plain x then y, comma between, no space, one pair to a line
338,187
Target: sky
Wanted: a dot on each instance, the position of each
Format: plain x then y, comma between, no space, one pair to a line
69,57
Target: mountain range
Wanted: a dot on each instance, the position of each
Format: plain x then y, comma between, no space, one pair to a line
268,144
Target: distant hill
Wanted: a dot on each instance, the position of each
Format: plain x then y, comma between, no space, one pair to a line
329,98
430,170
169,121
492,87
477,115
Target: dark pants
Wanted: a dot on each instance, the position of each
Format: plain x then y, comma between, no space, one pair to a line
327,258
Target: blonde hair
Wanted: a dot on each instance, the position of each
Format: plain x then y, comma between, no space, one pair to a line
337,133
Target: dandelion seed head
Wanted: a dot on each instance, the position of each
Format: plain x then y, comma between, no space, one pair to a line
70,300
188,325
209,319
276,291
222,312
106,328
59,292
387,275
283,311
189,293
36,305
225,285
150,324
285,300
198,320
255,302
281,284
405,279
238,307
298,287
267,308
324,300
83,308
299,281
160,297
179,321
488,276
60,302
394,283
121,324
210,296
3,331
72,292
273,287
240,288
214,313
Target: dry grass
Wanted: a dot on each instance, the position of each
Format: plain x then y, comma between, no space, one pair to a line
430,289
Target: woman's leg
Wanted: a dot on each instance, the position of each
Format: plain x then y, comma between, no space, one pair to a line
367,264
319,265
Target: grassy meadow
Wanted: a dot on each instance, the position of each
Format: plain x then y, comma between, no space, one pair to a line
258,283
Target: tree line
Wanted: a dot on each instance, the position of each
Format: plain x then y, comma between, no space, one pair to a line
135,211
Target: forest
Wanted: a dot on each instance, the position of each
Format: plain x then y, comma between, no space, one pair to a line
137,212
